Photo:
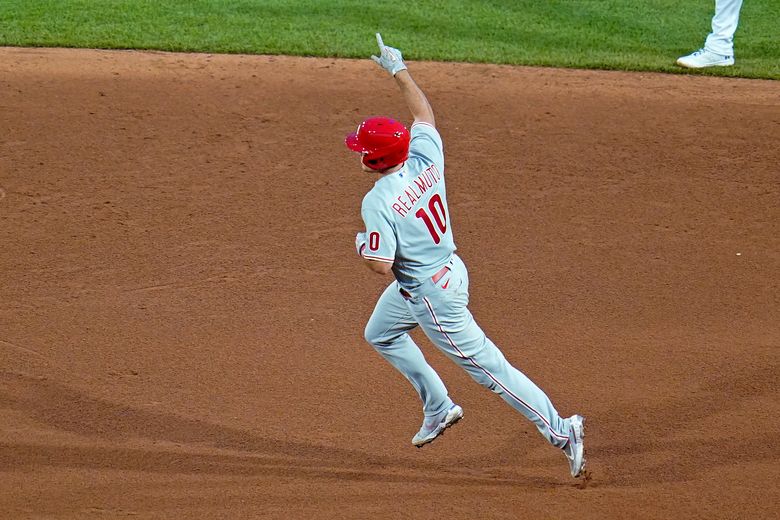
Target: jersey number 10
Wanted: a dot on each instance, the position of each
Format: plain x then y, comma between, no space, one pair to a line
436,208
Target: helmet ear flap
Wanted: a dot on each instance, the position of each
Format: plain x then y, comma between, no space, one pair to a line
376,164
368,161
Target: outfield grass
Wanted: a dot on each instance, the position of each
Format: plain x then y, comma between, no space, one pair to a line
606,34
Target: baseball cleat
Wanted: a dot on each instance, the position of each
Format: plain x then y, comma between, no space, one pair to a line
434,426
704,58
575,448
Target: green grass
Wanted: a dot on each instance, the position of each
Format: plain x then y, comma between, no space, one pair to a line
608,34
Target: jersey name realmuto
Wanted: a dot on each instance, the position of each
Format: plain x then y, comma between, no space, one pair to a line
406,215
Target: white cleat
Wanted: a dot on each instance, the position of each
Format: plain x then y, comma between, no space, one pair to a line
704,58
434,426
575,448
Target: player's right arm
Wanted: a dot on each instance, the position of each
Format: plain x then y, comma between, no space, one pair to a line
415,98
392,61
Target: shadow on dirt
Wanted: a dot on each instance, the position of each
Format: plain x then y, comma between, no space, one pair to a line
183,445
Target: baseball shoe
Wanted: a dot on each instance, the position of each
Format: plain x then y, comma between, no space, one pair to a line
434,426
575,448
704,58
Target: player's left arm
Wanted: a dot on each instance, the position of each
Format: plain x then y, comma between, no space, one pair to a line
378,266
377,245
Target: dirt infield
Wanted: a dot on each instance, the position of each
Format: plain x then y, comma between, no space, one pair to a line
181,308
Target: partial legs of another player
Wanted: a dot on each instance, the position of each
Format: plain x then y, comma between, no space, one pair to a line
718,50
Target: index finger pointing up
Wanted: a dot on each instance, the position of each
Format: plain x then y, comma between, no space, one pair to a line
379,41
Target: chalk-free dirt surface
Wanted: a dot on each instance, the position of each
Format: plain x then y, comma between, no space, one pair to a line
181,307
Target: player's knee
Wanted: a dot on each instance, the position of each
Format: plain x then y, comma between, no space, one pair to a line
373,335
379,337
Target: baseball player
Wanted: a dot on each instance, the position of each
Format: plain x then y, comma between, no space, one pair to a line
408,233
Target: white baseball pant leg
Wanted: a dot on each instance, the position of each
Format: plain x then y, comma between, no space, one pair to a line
388,332
441,310
724,25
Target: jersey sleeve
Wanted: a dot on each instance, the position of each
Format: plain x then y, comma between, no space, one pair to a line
380,236
426,143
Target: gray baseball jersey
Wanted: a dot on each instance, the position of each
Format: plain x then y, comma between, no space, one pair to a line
406,216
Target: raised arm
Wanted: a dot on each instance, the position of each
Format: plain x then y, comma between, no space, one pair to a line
415,99
392,61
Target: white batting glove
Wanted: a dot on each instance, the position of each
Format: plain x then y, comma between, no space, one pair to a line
360,243
389,58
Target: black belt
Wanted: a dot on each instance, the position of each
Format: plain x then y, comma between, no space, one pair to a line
435,279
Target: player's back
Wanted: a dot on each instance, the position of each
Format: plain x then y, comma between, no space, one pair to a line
406,213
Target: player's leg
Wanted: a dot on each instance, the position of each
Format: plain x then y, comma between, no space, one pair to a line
718,50
387,331
446,320
724,25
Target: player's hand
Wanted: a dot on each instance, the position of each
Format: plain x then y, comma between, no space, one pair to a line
389,58
360,243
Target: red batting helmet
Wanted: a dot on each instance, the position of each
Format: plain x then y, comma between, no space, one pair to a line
384,142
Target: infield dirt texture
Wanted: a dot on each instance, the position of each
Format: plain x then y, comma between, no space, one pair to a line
182,311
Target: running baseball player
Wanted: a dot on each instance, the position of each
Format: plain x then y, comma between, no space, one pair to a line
408,233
